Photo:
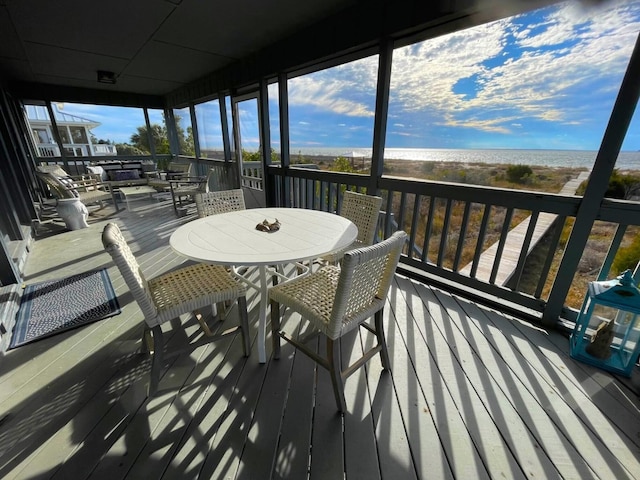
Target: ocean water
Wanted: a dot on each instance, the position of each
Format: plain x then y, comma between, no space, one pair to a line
550,158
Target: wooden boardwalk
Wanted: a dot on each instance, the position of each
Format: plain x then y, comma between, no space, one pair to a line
515,240
473,394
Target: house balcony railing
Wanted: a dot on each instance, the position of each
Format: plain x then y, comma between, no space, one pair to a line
49,150
251,175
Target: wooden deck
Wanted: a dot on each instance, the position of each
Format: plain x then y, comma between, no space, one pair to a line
473,394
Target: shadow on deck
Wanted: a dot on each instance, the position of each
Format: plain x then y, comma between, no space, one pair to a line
473,393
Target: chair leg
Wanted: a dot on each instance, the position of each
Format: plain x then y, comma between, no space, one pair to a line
157,360
384,353
173,197
275,328
244,325
147,345
333,356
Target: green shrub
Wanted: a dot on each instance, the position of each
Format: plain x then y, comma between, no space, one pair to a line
519,173
627,257
428,167
620,186
342,164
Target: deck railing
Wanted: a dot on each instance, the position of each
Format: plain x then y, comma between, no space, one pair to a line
474,239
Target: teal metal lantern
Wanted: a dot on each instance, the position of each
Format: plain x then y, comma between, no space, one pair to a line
612,344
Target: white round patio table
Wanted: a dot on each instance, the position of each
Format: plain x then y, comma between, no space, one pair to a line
232,239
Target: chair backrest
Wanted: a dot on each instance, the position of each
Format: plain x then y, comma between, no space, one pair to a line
181,169
60,187
363,210
56,170
213,203
365,277
115,244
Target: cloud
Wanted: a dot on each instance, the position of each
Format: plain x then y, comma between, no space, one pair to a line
116,123
492,125
338,89
526,67
567,50
403,134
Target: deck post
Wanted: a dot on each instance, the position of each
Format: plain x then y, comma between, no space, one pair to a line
382,109
285,154
614,135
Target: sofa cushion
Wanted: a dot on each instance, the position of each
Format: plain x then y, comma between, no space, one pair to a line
122,175
98,170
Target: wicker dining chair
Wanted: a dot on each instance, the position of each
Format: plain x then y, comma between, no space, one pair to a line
363,210
172,294
213,203
337,299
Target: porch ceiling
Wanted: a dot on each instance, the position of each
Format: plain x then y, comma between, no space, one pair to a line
153,46
156,47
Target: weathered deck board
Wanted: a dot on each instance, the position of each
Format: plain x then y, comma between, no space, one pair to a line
473,393
478,429
413,385
294,445
553,401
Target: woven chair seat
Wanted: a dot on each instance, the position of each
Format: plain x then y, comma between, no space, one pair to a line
311,295
191,288
93,196
189,188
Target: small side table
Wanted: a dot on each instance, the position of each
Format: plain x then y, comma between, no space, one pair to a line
130,192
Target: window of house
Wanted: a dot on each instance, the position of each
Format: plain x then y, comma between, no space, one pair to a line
42,135
64,135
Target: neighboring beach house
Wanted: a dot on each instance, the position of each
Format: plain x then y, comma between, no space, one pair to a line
74,131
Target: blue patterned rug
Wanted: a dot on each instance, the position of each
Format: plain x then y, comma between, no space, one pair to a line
51,307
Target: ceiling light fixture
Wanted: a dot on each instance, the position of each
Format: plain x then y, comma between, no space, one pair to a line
106,77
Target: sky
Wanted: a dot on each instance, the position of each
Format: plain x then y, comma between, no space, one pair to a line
541,80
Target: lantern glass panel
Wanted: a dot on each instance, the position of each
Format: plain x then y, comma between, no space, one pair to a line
607,331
